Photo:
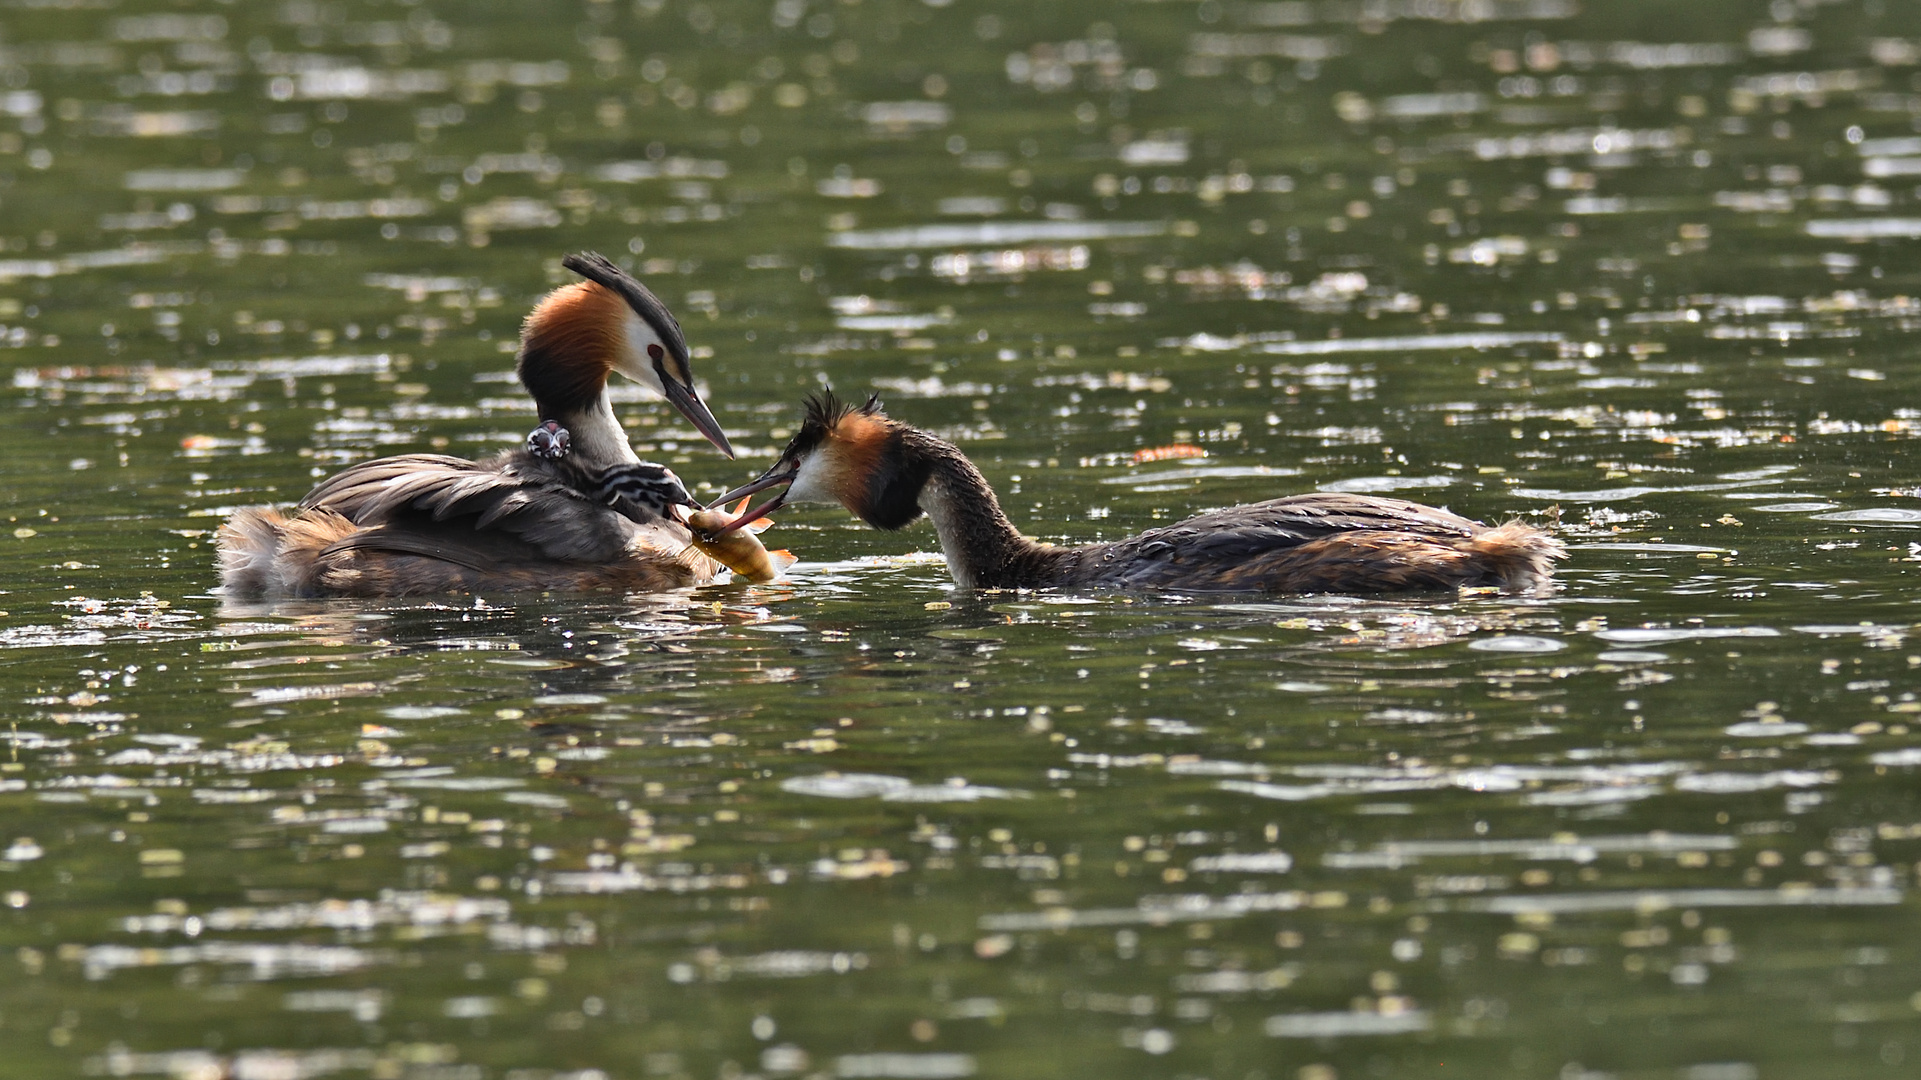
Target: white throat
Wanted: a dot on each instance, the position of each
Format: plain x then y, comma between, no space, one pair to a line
812,484
597,439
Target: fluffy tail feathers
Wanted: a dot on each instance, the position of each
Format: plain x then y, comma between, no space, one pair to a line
263,552
247,545
1519,556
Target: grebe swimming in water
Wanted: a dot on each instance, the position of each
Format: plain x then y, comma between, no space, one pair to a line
574,508
888,474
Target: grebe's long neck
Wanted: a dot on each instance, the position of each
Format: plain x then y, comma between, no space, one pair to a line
569,388
598,440
982,548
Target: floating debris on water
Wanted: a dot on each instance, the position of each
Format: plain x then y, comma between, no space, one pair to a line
1633,288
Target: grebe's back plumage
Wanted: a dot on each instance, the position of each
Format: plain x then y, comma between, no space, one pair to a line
418,524
531,517
888,474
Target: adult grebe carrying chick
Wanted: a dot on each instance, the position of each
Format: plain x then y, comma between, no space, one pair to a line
574,508
888,474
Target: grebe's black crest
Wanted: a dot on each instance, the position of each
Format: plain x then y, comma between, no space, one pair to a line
884,465
600,270
822,413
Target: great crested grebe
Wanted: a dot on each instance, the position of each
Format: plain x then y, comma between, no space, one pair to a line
888,474
535,517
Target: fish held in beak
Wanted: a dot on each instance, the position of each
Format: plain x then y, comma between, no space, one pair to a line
728,541
775,477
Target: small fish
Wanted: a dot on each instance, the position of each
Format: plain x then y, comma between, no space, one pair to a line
740,550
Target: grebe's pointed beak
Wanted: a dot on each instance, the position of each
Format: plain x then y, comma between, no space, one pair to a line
682,396
780,474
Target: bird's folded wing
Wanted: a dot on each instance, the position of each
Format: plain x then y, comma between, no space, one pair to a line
484,552
1245,532
1322,514
434,498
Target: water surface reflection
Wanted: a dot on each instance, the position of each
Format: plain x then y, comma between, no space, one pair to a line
1633,272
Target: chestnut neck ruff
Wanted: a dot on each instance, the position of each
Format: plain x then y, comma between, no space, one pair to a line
568,349
898,473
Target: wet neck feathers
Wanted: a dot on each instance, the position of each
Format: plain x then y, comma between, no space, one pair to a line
982,548
568,349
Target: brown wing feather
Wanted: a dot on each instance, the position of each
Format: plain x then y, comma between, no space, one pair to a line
1326,513
1318,542
350,491
440,500
481,552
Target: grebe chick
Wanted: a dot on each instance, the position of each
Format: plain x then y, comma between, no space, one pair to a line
533,517
888,474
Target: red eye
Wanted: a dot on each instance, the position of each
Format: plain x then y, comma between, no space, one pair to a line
656,351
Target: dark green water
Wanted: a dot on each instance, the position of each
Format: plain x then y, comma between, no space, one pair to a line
1643,270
